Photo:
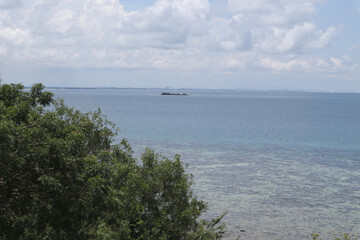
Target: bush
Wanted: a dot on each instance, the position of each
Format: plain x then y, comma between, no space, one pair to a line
343,236
60,179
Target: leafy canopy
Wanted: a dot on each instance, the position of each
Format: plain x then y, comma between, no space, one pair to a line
60,179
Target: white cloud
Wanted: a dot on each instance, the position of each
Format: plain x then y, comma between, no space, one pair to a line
169,22
233,65
14,36
338,63
170,34
166,24
288,14
343,63
62,21
239,34
235,6
268,26
323,38
230,35
297,38
308,64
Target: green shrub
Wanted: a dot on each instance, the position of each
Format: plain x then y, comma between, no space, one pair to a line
60,179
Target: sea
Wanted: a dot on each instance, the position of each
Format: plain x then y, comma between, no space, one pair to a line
283,165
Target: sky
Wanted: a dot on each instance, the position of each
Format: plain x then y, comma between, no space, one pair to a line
311,45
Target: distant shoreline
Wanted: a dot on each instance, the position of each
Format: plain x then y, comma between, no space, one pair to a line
197,89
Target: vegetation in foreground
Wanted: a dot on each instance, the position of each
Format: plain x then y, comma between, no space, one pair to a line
59,179
344,236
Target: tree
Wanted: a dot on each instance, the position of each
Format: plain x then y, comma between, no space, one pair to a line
61,179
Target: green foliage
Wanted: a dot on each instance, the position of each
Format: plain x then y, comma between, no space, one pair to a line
315,236
344,236
60,179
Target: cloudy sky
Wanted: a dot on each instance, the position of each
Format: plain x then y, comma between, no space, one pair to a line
242,44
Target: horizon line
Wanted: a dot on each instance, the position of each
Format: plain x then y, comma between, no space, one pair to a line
202,89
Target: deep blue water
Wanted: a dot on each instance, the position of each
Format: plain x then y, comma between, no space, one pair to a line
283,164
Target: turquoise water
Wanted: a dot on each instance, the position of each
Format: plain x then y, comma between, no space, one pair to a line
284,165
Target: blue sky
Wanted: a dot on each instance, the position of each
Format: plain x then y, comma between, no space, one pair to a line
309,45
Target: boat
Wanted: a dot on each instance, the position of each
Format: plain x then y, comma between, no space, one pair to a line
174,94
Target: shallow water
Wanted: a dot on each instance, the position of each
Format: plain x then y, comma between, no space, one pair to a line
284,165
